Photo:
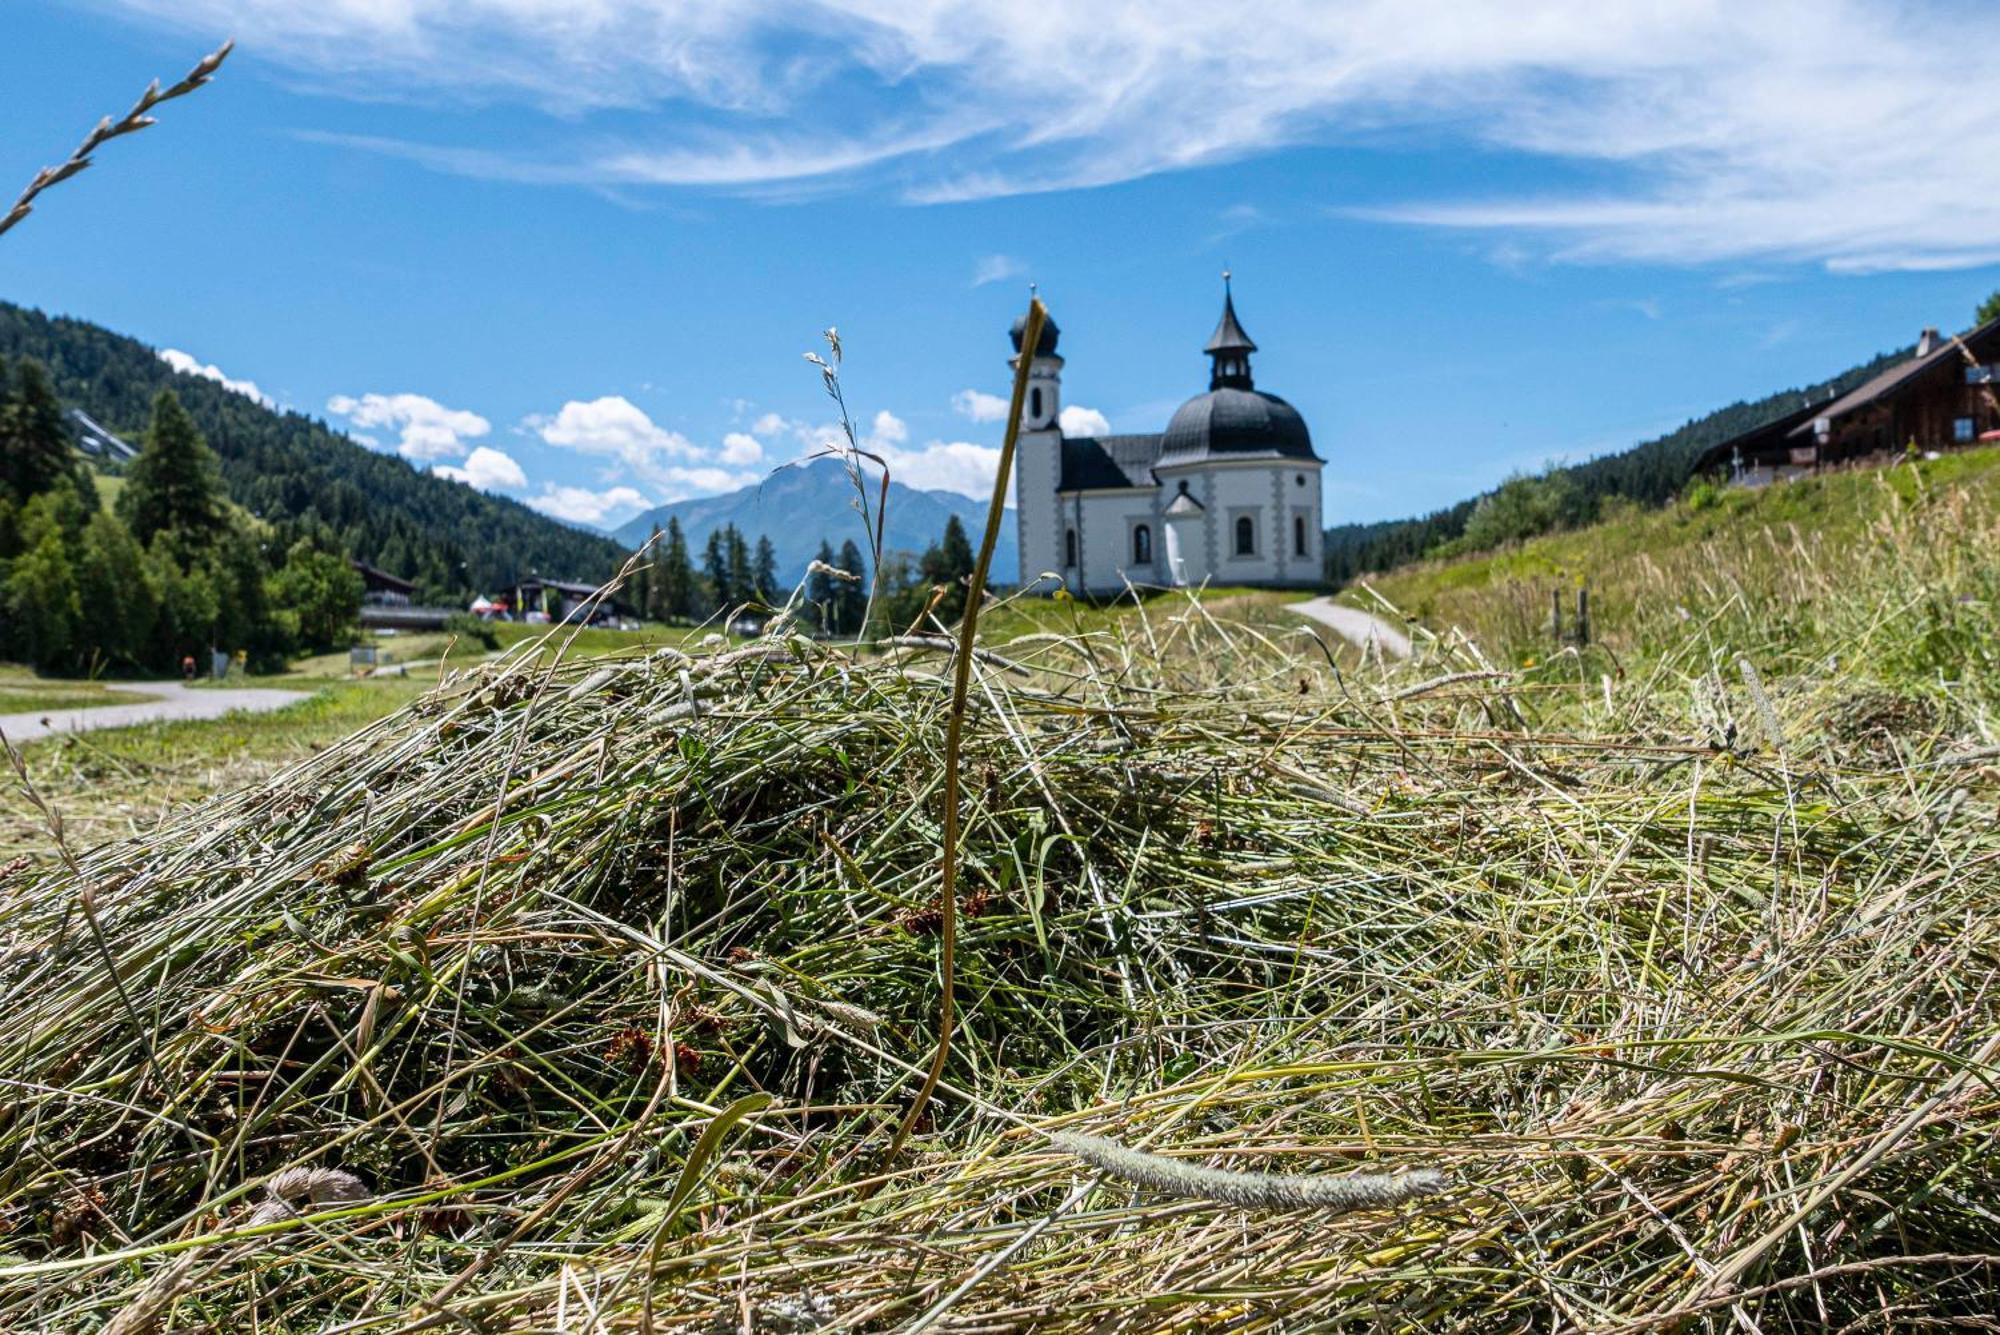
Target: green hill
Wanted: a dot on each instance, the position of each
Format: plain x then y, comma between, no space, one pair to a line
448,537
1649,473
1886,571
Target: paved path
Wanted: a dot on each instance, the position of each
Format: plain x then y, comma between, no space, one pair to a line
1355,626
174,700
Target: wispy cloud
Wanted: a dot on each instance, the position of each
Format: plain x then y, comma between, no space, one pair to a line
997,269
1841,132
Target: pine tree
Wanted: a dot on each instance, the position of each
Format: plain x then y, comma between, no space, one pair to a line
677,586
35,450
852,597
820,588
174,486
654,606
741,586
1989,310
764,571
715,572
947,565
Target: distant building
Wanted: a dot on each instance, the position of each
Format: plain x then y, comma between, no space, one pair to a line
1227,494
97,440
1946,396
379,588
562,601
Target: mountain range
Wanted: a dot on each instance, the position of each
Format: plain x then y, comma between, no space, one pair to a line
448,537
801,506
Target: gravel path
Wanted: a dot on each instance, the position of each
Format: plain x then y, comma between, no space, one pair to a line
1357,627
169,701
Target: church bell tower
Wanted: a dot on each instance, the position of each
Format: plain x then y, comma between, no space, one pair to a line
1038,454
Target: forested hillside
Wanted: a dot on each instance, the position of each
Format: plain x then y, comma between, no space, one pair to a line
1649,474
448,537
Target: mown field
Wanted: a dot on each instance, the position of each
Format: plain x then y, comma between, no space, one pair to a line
1642,986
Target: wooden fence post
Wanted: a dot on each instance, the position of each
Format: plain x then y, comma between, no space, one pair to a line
1556,616
1582,617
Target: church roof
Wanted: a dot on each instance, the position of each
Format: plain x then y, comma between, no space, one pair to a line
1236,424
1045,346
1097,463
1228,335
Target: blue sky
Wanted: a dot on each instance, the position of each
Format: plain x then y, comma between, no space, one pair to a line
573,249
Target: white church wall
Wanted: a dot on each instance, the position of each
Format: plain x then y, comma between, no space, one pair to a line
1104,521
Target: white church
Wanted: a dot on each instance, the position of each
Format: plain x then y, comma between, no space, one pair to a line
1227,494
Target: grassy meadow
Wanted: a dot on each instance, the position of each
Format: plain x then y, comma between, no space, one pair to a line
1646,986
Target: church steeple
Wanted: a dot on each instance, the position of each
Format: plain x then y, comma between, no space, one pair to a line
1229,346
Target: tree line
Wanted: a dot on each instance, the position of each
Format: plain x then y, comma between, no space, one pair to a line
170,571
734,574
288,468
1568,496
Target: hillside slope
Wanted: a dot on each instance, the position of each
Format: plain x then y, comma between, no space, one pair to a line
1776,561
1649,473
798,508
447,536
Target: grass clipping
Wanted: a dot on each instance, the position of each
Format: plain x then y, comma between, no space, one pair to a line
597,990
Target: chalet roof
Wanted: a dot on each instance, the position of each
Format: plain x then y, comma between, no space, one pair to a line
375,578
1897,376
559,585
1096,463
1757,439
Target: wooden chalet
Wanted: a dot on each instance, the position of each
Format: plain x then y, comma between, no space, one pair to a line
563,601
1946,396
379,588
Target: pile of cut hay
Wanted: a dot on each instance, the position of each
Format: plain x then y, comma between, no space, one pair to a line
594,992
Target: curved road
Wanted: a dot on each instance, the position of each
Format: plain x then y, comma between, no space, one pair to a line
171,701
1357,627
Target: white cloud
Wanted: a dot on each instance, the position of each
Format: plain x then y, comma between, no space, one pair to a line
485,468
946,465
997,268
1843,132
770,424
889,429
580,505
739,448
1077,420
427,430
979,406
665,461
187,364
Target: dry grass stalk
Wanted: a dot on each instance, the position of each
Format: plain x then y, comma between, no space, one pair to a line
107,129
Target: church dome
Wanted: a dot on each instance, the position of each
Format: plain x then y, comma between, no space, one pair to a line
1044,346
1235,418
1229,422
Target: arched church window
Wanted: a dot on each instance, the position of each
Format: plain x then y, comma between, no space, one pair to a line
1069,548
1035,403
1246,536
1142,545
1298,535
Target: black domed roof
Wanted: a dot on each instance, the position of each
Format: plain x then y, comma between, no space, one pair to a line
1240,422
1046,345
